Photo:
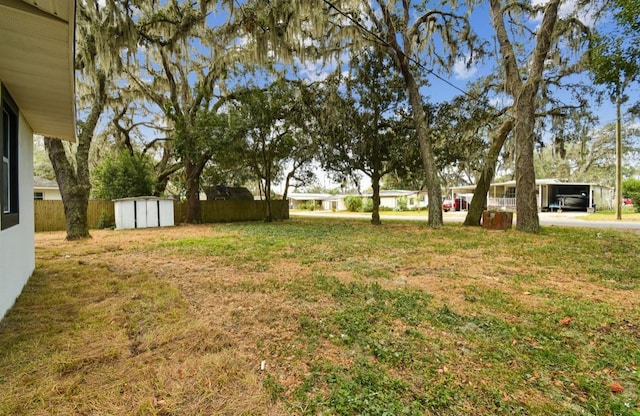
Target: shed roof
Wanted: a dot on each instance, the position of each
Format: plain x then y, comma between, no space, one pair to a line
143,198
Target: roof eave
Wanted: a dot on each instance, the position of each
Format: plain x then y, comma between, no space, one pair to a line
37,63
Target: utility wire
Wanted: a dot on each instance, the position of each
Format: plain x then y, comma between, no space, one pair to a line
418,63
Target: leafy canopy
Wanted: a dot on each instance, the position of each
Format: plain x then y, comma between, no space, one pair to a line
123,175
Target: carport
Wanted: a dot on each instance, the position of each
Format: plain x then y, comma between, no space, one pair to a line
599,196
502,195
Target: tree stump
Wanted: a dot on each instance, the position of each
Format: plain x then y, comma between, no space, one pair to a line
497,220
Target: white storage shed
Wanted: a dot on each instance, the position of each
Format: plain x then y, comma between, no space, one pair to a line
143,212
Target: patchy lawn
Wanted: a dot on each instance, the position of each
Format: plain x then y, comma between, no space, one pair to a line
323,316
628,214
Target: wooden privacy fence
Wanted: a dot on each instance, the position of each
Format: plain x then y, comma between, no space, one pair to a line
49,215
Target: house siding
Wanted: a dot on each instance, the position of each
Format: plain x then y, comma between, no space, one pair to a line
17,253
49,194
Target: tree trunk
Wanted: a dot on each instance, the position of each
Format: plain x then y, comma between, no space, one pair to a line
192,175
73,189
401,57
375,185
524,94
75,183
285,194
426,149
75,212
267,196
479,201
269,215
526,201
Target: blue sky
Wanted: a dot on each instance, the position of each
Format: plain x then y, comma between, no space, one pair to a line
459,77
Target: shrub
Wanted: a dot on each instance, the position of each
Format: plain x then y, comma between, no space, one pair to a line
630,186
367,205
123,175
308,206
353,203
103,221
402,203
635,197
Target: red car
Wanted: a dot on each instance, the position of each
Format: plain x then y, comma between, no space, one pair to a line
627,201
458,204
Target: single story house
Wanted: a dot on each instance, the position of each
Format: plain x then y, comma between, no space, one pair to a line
502,195
319,201
37,96
393,199
45,189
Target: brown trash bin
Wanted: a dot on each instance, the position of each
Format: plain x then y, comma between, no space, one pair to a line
497,220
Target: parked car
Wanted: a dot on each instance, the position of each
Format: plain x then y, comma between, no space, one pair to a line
577,202
627,201
455,204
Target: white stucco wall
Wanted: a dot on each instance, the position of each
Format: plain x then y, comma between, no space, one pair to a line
17,243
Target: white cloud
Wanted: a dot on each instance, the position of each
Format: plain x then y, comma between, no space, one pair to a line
585,12
241,41
313,71
501,101
318,70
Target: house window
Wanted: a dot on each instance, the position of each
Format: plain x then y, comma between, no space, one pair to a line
38,196
9,150
510,192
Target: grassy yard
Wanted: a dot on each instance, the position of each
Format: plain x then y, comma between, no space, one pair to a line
628,214
327,316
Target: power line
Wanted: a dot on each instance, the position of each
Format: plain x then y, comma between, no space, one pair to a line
418,63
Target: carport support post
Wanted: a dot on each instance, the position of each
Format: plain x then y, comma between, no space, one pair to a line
539,197
618,158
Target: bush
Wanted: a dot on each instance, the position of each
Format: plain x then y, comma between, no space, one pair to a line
635,197
367,205
103,222
353,203
402,203
630,186
309,206
631,189
123,175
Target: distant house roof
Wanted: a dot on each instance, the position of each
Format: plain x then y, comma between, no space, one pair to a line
43,183
390,193
37,63
222,192
301,196
553,182
547,181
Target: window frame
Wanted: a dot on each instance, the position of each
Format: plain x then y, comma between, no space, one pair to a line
9,107
510,192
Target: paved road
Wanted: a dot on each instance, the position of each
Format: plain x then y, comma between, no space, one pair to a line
565,219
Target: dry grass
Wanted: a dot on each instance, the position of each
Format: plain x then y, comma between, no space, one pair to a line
181,320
